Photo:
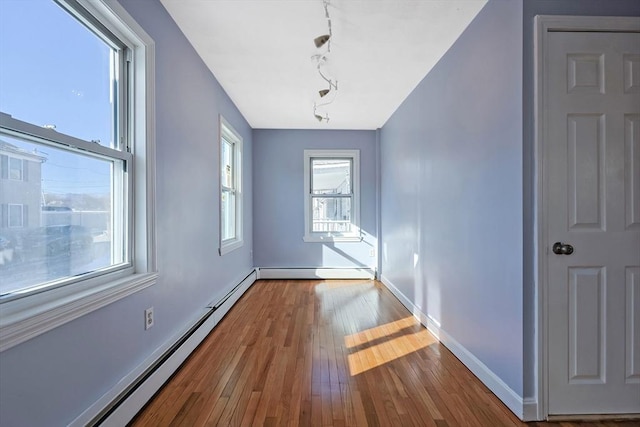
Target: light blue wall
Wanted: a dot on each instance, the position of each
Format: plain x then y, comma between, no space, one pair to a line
531,8
452,164
50,380
451,192
278,199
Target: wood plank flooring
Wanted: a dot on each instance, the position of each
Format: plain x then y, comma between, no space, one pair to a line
325,353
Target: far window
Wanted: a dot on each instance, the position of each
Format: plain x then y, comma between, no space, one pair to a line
230,188
15,169
16,216
332,198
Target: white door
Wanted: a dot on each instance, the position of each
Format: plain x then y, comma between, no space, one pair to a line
592,167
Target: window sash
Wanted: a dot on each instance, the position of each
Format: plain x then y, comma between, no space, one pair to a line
16,166
228,170
230,192
122,195
312,176
119,153
16,215
229,227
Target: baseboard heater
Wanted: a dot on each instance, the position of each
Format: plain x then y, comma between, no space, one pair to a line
107,416
315,273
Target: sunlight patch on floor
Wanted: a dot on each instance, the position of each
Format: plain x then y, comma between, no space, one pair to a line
381,331
385,343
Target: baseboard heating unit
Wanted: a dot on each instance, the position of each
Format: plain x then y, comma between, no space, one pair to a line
316,273
120,405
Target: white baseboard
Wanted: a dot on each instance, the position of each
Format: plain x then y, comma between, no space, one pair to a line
530,409
129,405
315,273
525,409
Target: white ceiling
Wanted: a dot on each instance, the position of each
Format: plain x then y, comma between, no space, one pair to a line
260,51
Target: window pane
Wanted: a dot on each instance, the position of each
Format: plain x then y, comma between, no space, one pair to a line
227,164
331,214
331,176
15,216
44,81
15,168
58,221
228,215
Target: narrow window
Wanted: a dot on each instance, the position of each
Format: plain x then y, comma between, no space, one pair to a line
332,196
230,188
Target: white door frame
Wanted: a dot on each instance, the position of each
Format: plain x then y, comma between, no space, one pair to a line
543,25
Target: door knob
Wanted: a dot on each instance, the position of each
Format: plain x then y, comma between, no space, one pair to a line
562,248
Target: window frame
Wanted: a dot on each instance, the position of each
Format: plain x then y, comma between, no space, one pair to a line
228,133
327,236
28,315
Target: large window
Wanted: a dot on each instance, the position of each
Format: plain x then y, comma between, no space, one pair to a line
332,195
230,188
75,142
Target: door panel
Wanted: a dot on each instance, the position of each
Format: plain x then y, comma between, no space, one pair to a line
632,170
592,182
587,325
586,170
632,315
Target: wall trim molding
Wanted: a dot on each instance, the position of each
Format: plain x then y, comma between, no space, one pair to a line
120,404
315,273
530,409
525,409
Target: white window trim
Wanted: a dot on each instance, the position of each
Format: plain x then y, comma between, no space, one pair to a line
311,236
9,215
28,317
231,134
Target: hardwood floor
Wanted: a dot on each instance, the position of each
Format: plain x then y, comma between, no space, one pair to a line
325,353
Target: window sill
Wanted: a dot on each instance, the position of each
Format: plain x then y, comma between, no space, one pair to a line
26,318
324,238
231,246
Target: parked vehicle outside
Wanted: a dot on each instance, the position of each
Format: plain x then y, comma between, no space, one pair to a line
7,249
55,241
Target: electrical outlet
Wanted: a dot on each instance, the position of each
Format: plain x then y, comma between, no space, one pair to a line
372,252
148,318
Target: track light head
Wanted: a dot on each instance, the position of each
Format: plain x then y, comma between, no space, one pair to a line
321,40
323,92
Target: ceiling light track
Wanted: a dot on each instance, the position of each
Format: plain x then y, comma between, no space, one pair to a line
321,59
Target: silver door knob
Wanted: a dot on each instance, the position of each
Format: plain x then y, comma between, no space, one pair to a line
560,248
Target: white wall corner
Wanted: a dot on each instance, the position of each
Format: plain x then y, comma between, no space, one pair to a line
510,398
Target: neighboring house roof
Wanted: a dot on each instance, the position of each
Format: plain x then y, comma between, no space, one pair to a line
8,148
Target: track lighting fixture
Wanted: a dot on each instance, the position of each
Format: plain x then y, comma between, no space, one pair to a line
332,84
321,40
321,59
318,116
